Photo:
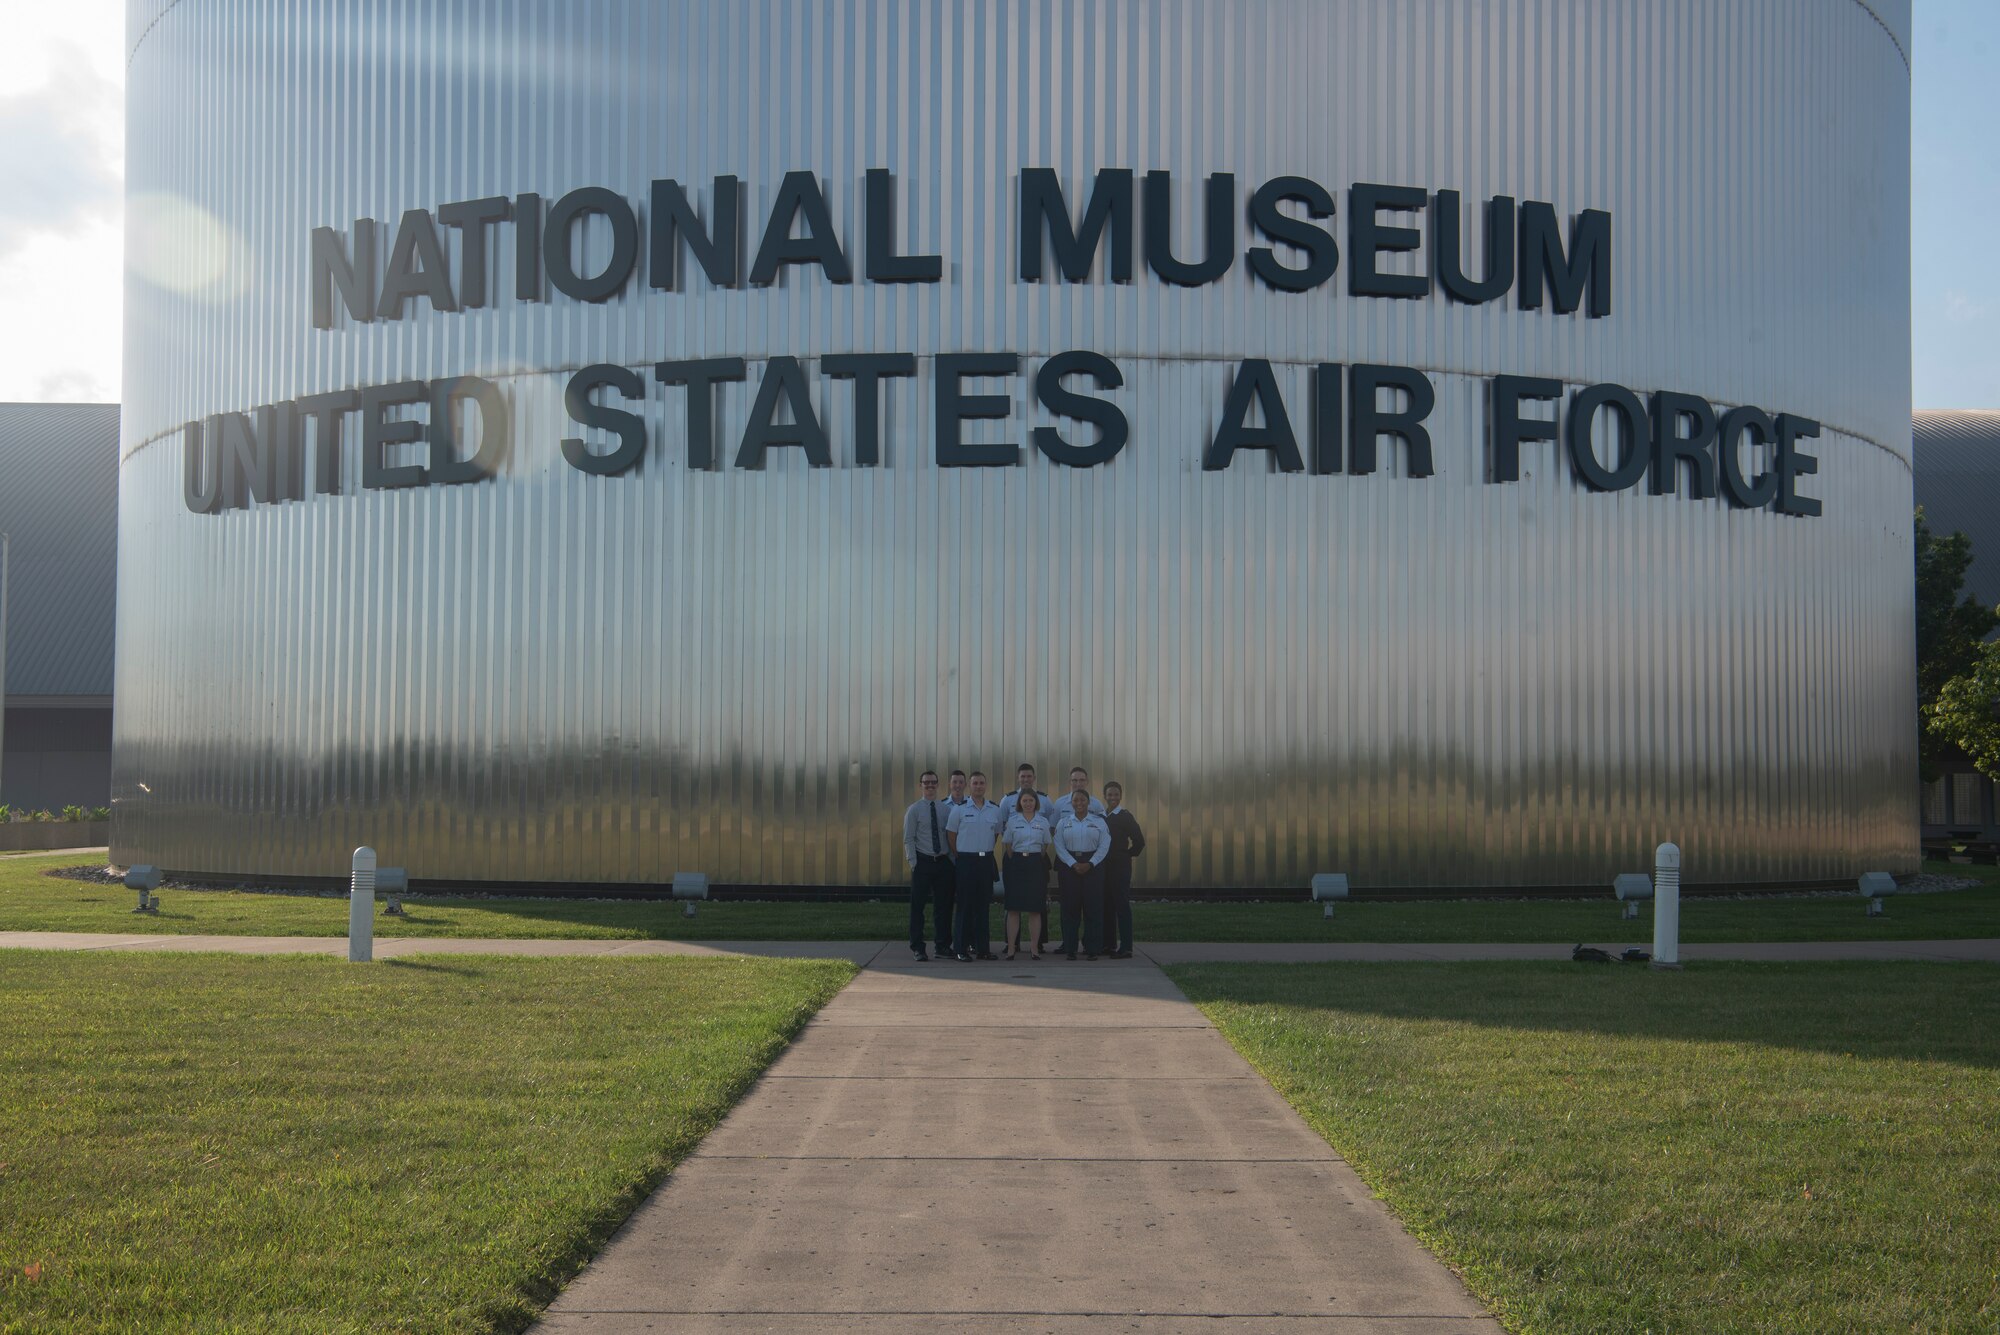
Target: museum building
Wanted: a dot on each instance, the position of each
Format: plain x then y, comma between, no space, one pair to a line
1459,446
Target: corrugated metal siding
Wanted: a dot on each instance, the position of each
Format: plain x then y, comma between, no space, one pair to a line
1432,682
59,507
1957,481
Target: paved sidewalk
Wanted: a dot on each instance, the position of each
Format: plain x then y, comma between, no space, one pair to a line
1013,1147
861,952
1316,952
395,947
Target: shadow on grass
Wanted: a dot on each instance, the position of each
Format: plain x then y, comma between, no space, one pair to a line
1916,1012
431,965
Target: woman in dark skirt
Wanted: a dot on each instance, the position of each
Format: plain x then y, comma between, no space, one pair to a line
1025,873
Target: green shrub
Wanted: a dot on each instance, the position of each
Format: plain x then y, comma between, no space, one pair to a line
74,813
100,813
6,814
42,815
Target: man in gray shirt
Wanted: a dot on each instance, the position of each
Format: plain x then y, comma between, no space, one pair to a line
928,852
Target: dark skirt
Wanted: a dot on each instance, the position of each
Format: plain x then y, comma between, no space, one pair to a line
1026,879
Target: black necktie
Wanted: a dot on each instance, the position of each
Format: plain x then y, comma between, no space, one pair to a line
937,840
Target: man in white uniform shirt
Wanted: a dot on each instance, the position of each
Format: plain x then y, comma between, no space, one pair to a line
1079,782
974,833
1024,782
1083,842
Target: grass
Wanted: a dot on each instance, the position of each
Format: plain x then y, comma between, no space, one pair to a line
1800,1147
221,1143
31,901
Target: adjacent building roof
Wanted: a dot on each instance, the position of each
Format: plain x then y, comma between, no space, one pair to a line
59,510
1956,458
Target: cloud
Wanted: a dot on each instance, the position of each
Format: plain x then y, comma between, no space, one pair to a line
60,154
1960,308
75,385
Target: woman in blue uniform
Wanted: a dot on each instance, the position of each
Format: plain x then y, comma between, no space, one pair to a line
1025,873
1082,843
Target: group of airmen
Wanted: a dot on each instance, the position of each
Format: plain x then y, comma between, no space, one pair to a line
960,845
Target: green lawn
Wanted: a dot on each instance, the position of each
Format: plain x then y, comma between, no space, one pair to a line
1808,1147
32,901
211,1142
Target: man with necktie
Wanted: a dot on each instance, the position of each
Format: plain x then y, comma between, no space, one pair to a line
931,873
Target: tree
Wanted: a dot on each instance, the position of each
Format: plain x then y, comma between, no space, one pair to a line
1966,713
1950,631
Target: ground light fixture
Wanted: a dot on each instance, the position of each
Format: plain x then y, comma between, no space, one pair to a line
1327,887
690,886
1631,887
144,878
394,883
1875,886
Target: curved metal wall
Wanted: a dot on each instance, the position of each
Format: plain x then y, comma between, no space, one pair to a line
1436,682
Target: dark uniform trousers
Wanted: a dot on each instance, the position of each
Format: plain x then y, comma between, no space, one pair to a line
1118,902
931,883
1082,904
976,874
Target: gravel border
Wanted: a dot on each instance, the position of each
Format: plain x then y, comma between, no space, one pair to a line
1924,883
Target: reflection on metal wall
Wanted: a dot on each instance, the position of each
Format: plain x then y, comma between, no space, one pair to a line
1423,682
58,502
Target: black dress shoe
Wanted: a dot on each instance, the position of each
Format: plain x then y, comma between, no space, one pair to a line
1069,954
919,956
988,955
963,957
1088,957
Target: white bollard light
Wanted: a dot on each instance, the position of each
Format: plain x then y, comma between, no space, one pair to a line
1667,907
361,908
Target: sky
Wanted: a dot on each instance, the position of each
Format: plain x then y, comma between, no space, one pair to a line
1954,200
62,86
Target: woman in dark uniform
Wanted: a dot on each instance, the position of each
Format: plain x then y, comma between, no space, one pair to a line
1025,873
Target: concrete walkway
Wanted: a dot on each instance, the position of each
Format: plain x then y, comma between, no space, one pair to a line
395,947
1027,1147
1317,952
861,952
